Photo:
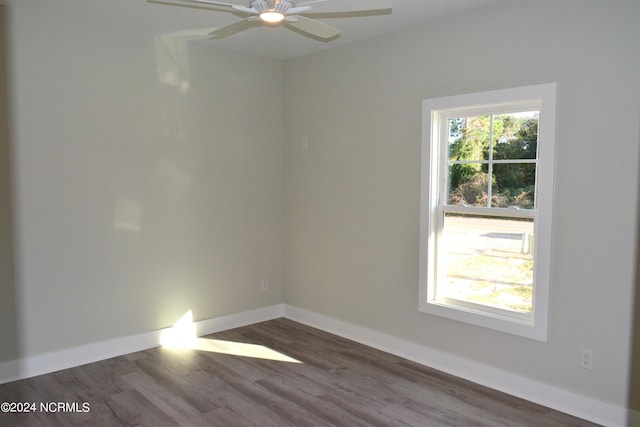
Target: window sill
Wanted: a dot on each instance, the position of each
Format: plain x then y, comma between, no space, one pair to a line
534,327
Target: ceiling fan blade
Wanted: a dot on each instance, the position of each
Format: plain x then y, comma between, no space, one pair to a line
314,28
332,6
244,9
198,4
229,30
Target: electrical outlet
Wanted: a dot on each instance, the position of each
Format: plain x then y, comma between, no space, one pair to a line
586,358
264,285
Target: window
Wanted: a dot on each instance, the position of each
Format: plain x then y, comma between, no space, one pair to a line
487,193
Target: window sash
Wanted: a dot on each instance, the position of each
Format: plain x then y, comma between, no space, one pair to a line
442,133
438,290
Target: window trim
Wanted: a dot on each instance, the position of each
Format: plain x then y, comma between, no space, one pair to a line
435,112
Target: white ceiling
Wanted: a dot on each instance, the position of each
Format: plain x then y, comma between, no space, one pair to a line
278,43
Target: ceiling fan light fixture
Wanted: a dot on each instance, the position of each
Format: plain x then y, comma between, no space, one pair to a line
298,14
272,17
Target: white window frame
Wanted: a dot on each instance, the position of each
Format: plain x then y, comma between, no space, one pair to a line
435,115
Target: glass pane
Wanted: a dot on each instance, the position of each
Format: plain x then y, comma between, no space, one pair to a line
514,185
515,135
468,184
488,261
469,138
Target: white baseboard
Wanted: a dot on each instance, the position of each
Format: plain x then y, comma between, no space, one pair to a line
51,362
571,403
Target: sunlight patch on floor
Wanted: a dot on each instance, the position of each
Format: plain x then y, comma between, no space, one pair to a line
183,336
241,349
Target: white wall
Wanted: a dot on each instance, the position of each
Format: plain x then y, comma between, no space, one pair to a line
352,198
148,179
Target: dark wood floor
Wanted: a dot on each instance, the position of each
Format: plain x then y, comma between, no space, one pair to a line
337,383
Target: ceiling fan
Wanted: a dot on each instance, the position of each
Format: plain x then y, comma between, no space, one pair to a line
288,13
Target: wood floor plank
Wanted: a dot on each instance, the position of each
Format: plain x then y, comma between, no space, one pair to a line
196,390
170,404
248,409
322,409
337,383
284,408
133,409
225,417
361,407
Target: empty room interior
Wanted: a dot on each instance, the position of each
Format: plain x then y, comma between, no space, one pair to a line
155,182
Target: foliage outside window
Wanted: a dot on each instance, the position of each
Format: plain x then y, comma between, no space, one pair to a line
486,208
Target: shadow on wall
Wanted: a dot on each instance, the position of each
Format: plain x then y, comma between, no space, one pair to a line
9,337
634,383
